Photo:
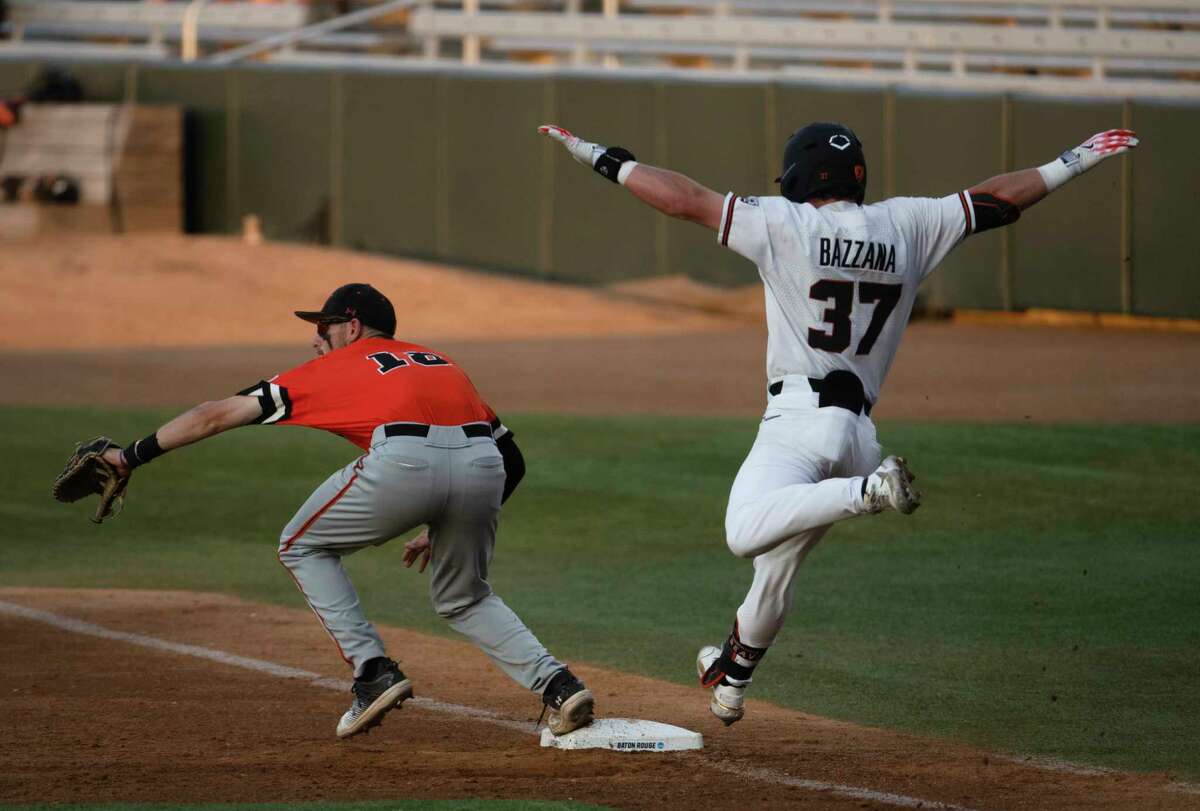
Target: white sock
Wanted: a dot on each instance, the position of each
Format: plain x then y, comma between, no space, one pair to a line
856,494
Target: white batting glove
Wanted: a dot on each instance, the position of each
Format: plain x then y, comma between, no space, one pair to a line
1074,162
612,162
583,151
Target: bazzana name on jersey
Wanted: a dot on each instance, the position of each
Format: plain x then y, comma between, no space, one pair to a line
855,254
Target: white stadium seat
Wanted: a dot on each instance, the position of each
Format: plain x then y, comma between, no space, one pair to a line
1093,47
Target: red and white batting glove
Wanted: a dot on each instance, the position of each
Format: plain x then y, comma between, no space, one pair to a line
1075,162
612,162
583,151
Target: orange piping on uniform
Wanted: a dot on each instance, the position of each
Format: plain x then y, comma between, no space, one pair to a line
288,543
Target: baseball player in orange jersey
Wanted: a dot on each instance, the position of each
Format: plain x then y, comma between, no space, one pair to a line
840,279
434,454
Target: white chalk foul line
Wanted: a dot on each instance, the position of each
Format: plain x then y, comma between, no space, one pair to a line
317,680
245,662
1066,767
772,776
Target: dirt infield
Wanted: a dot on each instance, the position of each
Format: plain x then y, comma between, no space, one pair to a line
172,321
175,321
119,722
150,290
944,372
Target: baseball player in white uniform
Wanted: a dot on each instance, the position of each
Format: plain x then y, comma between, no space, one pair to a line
840,280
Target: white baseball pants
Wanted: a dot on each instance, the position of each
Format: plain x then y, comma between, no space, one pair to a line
803,474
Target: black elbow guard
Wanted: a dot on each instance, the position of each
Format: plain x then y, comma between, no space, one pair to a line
609,164
993,212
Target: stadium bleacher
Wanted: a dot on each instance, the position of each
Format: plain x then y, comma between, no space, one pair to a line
91,168
1094,47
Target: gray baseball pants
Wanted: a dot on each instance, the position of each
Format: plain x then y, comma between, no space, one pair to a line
452,483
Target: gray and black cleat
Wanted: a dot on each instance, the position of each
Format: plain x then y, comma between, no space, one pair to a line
374,698
570,703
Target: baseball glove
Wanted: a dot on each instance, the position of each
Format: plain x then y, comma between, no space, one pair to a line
88,473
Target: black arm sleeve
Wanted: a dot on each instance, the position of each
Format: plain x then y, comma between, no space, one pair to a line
993,212
514,464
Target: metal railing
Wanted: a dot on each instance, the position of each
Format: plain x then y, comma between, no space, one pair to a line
1097,47
877,48
151,23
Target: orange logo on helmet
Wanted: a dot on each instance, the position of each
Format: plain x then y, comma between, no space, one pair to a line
860,172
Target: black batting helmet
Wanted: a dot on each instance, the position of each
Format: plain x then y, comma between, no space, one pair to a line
823,160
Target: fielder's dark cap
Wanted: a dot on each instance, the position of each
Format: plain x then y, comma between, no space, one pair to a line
823,160
361,301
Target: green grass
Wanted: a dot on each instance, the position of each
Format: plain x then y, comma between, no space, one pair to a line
1045,600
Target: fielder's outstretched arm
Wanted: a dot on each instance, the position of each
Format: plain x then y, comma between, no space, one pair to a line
200,422
672,193
1001,199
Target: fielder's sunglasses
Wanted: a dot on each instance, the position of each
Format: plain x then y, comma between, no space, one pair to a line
323,324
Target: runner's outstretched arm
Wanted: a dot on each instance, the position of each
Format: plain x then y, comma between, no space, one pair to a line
672,193
1000,200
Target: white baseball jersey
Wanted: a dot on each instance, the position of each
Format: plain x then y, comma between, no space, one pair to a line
841,280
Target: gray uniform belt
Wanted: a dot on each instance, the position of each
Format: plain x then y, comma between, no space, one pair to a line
841,389
471,429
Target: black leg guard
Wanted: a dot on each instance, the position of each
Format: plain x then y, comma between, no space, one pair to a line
737,661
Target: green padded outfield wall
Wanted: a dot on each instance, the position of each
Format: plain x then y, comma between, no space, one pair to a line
715,133
493,169
596,232
282,160
446,165
106,81
392,193
1066,253
15,77
930,160
204,97
1165,254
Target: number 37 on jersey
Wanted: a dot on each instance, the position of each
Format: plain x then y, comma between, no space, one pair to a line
841,299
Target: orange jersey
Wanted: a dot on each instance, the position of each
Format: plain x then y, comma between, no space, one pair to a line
352,390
